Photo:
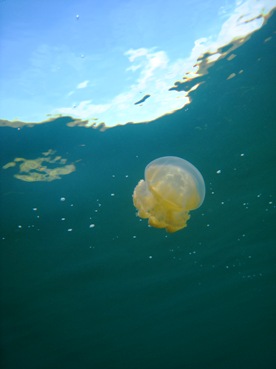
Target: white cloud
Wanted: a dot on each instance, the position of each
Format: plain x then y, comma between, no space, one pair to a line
83,84
156,75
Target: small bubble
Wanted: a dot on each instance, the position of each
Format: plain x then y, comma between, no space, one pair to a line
112,194
92,226
150,257
62,199
218,171
133,236
34,209
70,229
242,154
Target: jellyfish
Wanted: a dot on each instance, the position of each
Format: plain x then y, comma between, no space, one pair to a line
171,189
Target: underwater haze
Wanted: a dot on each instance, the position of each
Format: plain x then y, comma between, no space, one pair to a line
86,283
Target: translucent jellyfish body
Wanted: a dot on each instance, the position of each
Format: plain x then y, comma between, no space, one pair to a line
171,189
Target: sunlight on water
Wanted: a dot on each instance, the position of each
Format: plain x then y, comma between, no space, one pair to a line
147,86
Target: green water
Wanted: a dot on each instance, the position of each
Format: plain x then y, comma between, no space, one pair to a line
121,295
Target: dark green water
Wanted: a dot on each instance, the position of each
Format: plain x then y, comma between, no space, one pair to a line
122,295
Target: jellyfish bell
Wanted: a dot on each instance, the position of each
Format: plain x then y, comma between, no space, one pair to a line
171,189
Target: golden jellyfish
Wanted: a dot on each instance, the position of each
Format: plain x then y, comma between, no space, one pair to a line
171,189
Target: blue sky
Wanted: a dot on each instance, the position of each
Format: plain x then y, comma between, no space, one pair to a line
93,60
